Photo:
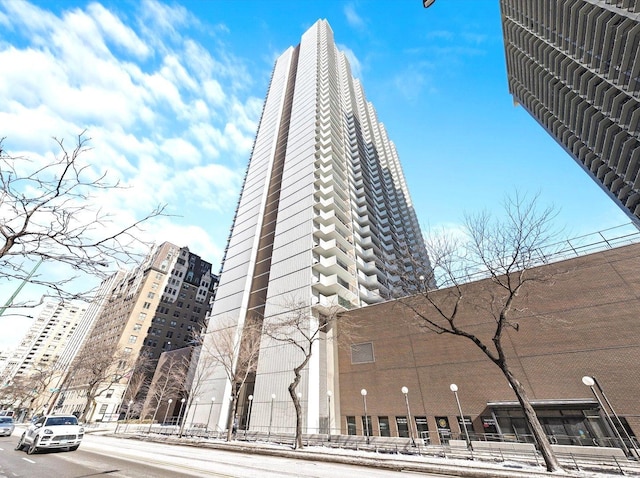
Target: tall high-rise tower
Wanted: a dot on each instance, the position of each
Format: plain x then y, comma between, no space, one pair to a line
324,220
575,67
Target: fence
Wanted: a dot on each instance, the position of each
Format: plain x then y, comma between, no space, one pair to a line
483,447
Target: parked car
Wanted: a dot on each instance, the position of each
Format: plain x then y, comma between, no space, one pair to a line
7,426
52,432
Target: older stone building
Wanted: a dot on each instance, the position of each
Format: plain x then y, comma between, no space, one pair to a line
161,305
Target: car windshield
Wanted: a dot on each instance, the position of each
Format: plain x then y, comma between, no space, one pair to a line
53,421
6,420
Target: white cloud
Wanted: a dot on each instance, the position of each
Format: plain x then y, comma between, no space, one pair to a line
180,151
163,112
116,31
352,16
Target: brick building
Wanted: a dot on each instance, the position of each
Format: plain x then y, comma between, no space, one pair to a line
581,321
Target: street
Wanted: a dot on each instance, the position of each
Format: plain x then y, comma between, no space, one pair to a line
122,458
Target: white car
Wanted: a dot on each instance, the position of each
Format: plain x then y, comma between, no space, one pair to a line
6,426
52,432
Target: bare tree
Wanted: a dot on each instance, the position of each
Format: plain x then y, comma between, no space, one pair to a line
96,370
138,383
24,391
47,214
17,393
168,382
200,366
504,252
301,328
39,378
237,355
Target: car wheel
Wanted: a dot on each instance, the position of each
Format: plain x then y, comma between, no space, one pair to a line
73,448
20,443
33,447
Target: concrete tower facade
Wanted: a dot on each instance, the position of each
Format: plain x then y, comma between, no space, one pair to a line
575,67
324,221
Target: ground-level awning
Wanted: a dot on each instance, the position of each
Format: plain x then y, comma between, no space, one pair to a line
550,403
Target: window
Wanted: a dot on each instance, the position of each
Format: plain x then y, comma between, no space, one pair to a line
362,353
132,339
103,409
146,305
366,426
422,427
467,422
403,428
151,295
383,425
173,323
127,350
351,425
169,334
137,327
109,393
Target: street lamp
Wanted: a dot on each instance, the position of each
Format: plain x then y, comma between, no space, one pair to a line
246,427
454,388
195,410
167,411
590,382
329,393
405,392
127,415
273,397
213,399
180,412
363,392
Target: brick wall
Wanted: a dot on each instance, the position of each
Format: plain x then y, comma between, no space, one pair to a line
582,319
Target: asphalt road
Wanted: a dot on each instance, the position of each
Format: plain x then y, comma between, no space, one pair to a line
121,458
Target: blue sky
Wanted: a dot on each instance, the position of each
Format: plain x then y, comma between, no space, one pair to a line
171,93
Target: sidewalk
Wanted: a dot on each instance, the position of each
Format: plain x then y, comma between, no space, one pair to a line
461,467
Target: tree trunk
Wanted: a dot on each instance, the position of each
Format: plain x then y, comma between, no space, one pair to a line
296,403
232,415
531,418
87,408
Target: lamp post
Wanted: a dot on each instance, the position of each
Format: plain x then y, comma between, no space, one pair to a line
127,415
329,393
405,392
273,397
167,411
180,412
195,410
590,382
246,426
454,388
9,302
213,400
363,392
